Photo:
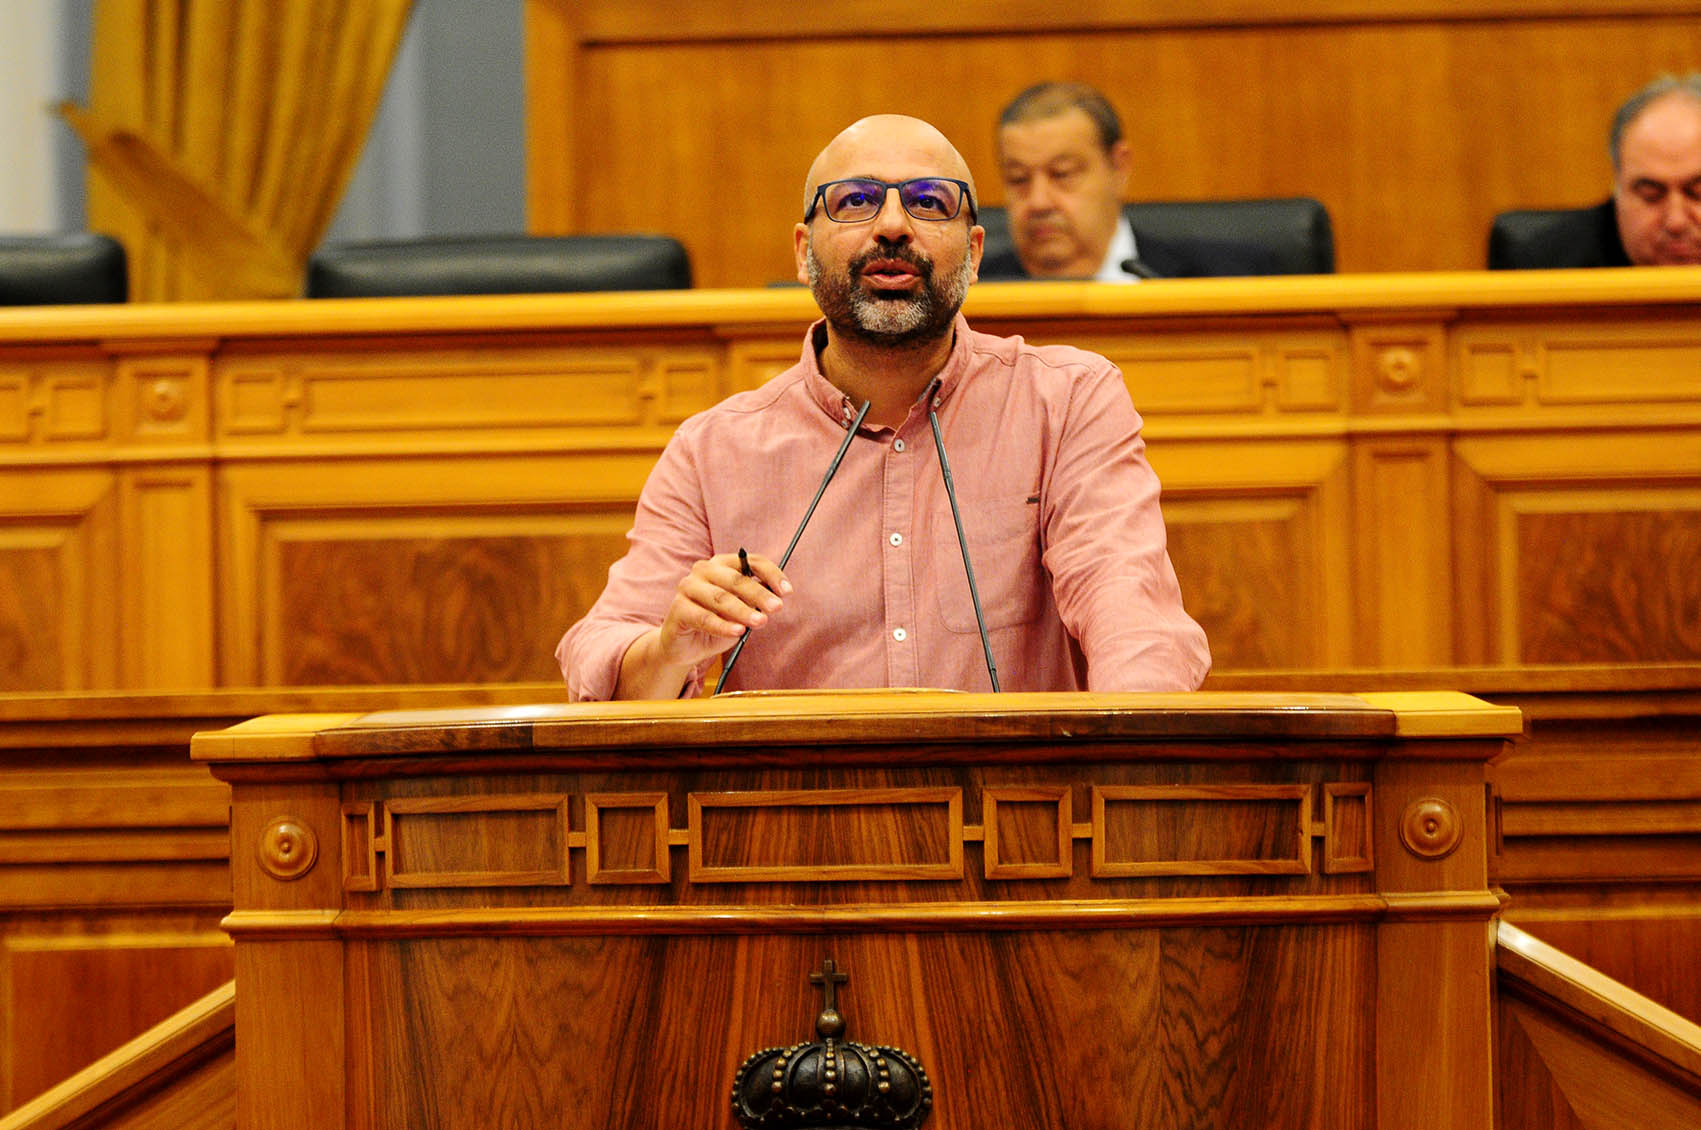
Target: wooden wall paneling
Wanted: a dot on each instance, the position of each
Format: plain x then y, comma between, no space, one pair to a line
1414,124
1582,557
416,571
1402,552
59,580
72,997
167,577
1275,512
552,78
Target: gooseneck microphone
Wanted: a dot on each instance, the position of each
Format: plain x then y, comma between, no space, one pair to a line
1137,267
962,542
850,434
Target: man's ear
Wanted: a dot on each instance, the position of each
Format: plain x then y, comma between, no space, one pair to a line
1121,167
977,248
800,251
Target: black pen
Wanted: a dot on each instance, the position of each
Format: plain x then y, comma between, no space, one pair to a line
744,562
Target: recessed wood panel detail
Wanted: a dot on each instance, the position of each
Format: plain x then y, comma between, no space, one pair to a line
1346,827
1249,574
1027,832
626,838
480,605
1605,586
826,834
421,842
1213,830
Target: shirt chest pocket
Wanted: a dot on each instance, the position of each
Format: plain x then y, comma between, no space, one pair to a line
1003,540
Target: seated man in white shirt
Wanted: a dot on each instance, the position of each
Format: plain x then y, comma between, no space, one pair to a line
1066,167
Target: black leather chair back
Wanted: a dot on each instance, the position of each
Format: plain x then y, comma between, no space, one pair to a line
1538,238
46,270
501,264
1292,234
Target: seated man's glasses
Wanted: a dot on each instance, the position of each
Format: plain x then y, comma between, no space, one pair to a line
857,199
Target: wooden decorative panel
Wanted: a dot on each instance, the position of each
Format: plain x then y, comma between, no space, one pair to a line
1598,580
1215,830
446,609
1346,827
826,834
1145,1022
1028,832
58,582
519,841
626,838
1248,572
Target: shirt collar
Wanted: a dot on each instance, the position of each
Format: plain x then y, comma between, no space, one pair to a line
1121,250
837,405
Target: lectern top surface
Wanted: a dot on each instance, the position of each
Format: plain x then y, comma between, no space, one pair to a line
866,719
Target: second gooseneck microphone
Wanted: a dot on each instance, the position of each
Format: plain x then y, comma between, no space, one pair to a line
850,434
962,542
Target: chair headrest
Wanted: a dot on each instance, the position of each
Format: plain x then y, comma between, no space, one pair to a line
1538,238
44,270
1287,235
501,264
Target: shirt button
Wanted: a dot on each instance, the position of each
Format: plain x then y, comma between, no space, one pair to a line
900,635
897,539
897,445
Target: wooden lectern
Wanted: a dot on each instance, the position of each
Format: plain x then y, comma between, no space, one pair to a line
1077,912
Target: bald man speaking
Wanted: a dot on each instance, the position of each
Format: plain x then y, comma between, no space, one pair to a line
1056,503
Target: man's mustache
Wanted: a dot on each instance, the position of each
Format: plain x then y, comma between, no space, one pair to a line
893,253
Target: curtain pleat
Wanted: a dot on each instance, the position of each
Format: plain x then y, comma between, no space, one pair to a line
222,133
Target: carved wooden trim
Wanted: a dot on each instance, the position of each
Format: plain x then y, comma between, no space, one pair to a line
288,848
1106,868
595,872
1344,853
362,844
948,802
1062,866
1431,827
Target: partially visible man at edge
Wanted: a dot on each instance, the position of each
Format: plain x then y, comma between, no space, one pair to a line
1059,506
1066,166
1656,162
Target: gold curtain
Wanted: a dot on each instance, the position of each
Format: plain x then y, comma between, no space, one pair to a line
222,133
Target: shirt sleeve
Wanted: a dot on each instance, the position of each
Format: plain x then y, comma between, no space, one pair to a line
1107,552
670,534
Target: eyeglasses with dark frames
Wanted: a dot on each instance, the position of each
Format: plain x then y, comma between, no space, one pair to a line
859,199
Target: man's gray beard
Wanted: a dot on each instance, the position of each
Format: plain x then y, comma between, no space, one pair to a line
924,316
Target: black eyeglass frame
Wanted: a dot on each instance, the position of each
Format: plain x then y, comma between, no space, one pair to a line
886,186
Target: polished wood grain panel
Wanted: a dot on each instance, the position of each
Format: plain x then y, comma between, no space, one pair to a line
1130,1014
472,603
825,834
179,1075
138,980
1216,830
1597,585
1028,831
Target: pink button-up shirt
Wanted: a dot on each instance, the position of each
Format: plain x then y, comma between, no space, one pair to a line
1059,508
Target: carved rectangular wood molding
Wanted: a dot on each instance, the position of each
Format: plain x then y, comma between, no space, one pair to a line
856,835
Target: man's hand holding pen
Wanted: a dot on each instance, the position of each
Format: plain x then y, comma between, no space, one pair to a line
717,602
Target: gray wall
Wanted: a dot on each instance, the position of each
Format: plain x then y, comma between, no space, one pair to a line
447,152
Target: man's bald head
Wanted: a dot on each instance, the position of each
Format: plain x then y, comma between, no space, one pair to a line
890,147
